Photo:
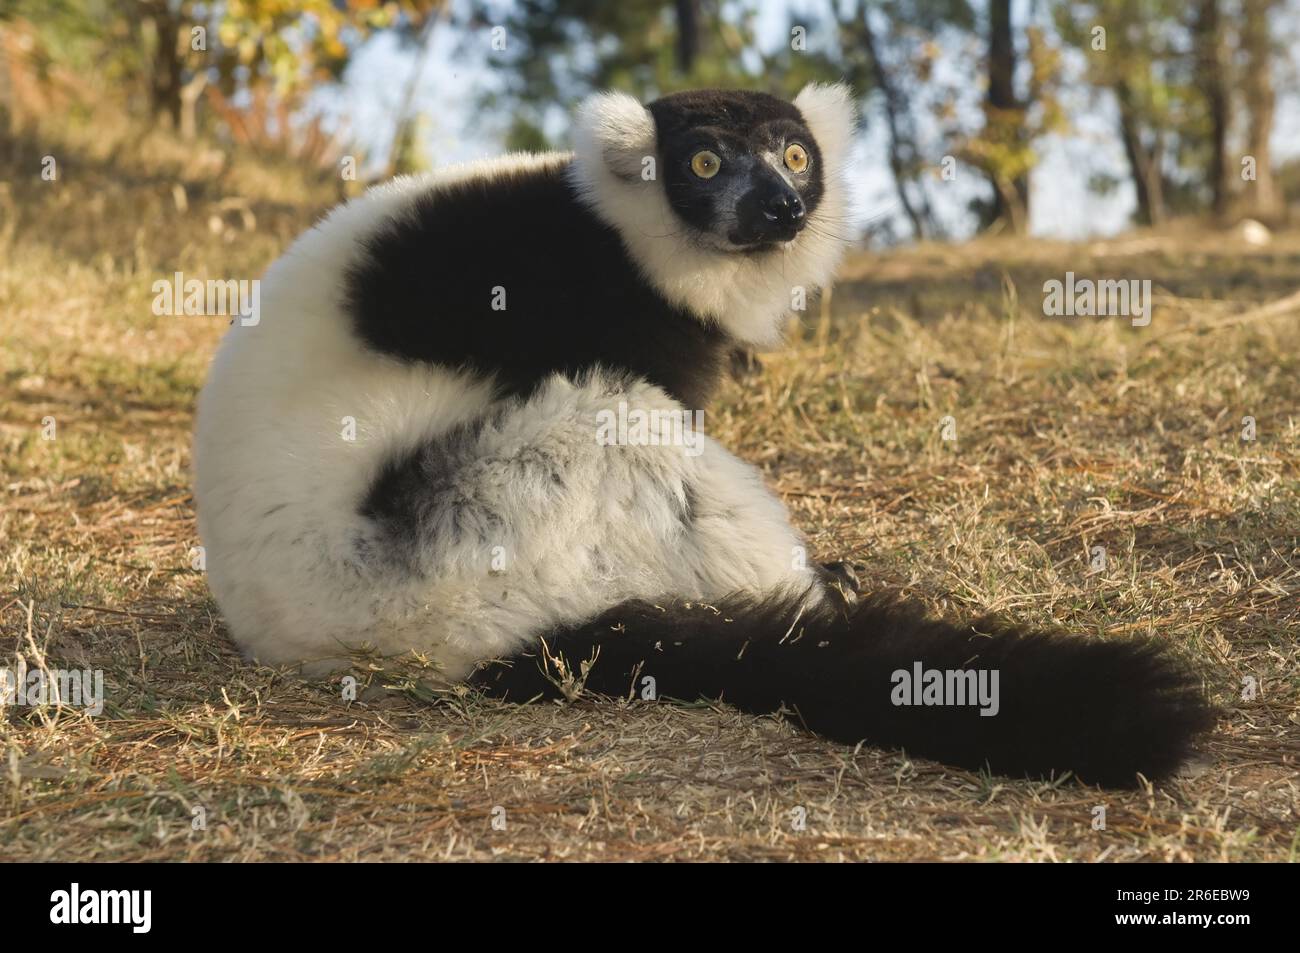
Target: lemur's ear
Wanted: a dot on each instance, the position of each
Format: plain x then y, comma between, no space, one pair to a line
615,131
831,114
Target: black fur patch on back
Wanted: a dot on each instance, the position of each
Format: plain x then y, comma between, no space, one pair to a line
1105,709
425,287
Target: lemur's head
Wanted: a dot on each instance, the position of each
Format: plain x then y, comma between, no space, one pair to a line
741,169
731,202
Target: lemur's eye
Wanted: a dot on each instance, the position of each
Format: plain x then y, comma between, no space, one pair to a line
796,157
705,164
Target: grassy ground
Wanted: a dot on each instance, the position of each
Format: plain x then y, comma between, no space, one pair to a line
1071,434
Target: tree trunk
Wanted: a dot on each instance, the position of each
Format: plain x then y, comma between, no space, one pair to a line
902,146
1010,196
190,94
1002,56
1263,198
404,129
1212,65
165,82
688,34
1144,164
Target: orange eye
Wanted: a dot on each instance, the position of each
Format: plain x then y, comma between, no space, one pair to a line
796,157
705,164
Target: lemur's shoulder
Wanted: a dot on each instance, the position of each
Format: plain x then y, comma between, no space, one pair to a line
619,255
500,268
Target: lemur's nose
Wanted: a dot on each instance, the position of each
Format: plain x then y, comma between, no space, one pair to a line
784,207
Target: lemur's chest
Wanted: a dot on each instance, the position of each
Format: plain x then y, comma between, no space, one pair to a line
520,281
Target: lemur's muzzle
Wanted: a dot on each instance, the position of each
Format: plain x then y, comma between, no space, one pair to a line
771,211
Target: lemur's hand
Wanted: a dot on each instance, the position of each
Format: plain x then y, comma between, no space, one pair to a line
842,578
744,364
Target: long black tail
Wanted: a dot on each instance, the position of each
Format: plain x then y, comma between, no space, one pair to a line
883,672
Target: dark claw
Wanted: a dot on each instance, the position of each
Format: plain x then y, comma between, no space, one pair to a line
745,364
842,578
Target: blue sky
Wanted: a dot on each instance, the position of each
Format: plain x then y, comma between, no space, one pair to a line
1061,205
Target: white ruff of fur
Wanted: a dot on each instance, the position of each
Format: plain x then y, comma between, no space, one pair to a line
749,295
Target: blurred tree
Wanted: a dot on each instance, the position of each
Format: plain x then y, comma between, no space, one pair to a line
892,58
1004,149
1184,77
174,50
689,35
555,51
558,50
905,159
1005,123
1133,49
404,151
1263,199
1193,82
1211,61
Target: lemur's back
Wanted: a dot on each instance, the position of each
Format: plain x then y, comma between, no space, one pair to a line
512,276
293,419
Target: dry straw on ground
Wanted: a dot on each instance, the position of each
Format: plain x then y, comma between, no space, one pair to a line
1071,434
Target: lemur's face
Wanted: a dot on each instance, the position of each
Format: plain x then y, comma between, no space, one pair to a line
726,201
740,169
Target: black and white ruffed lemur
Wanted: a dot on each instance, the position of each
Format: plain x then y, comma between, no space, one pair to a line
402,450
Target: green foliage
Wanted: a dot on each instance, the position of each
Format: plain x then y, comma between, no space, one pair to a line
283,46
1149,61
556,51
171,57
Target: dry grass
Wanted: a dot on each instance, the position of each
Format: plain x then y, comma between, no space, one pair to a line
1073,433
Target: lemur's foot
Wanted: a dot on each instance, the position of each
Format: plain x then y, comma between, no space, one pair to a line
842,578
745,364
